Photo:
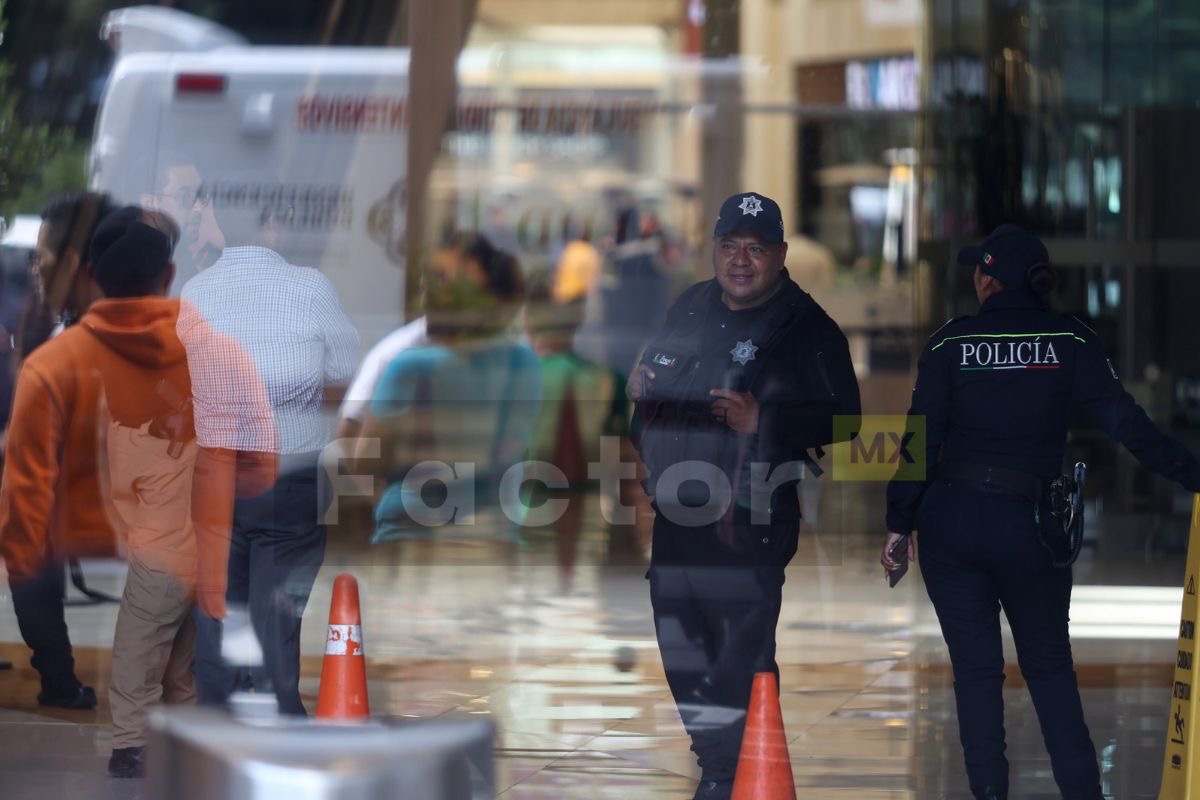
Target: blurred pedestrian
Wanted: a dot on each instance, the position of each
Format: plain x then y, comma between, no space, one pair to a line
50,507
270,538
470,396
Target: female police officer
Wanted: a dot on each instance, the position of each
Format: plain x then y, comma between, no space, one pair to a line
995,390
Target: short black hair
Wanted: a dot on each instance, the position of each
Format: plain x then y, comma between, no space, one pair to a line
130,257
72,220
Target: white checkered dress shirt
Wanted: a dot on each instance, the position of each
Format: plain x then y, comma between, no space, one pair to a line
289,321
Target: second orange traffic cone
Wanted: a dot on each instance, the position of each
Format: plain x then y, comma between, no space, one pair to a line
343,693
764,769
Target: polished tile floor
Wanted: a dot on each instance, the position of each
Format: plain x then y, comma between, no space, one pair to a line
529,635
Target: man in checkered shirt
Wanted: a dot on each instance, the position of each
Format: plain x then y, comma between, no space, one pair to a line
253,304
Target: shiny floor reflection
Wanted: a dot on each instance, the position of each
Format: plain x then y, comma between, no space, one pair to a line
510,632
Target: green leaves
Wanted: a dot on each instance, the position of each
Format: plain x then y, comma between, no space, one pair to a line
25,150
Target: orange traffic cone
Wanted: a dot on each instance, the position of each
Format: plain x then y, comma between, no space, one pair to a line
764,770
343,693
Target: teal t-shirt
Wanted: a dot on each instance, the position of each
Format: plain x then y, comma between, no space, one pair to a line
460,417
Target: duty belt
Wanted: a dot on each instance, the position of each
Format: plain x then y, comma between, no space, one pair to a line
992,479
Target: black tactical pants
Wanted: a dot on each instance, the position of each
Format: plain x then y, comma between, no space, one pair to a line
39,606
716,607
980,553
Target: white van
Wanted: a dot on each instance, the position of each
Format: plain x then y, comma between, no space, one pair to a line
236,113
548,139
21,234
16,248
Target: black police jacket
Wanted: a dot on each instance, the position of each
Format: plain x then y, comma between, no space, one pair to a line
786,352
996,390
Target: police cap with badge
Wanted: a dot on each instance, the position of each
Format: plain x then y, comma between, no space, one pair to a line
750,212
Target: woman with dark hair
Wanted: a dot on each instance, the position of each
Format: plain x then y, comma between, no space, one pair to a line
468,397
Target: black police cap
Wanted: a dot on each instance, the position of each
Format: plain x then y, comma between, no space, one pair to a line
1007,254
753,213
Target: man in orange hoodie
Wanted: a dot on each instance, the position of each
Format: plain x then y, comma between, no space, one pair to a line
101,437
146,421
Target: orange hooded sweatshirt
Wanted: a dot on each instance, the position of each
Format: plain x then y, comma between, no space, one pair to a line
51,505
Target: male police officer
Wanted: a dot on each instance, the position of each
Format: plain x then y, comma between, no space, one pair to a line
995,390
745,378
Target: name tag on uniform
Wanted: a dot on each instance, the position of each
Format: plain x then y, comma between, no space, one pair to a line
665,360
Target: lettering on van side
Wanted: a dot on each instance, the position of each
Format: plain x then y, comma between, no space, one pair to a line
549,114
300,207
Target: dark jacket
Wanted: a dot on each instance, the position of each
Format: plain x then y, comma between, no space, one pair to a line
787,353
996,390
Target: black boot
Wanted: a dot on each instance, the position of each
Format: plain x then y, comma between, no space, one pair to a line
714,790
126,762
79,698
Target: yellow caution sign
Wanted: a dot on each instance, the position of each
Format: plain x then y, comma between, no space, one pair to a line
1181,774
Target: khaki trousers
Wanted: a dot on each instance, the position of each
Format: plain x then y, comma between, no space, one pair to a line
154,645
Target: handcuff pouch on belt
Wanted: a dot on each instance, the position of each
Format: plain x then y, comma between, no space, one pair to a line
1062,533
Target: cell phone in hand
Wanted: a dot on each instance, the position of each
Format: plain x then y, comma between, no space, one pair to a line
898,554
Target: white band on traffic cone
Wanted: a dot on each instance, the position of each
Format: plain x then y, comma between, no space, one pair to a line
344,640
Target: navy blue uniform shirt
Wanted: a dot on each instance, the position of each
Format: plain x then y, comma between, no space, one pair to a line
996,390
788,353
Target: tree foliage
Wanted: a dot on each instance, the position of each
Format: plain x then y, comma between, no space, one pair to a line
24,149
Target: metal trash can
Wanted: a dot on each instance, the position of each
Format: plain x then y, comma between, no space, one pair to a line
202,754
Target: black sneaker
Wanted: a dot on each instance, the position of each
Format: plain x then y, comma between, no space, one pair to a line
993,793
82,697
126,762
714,790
